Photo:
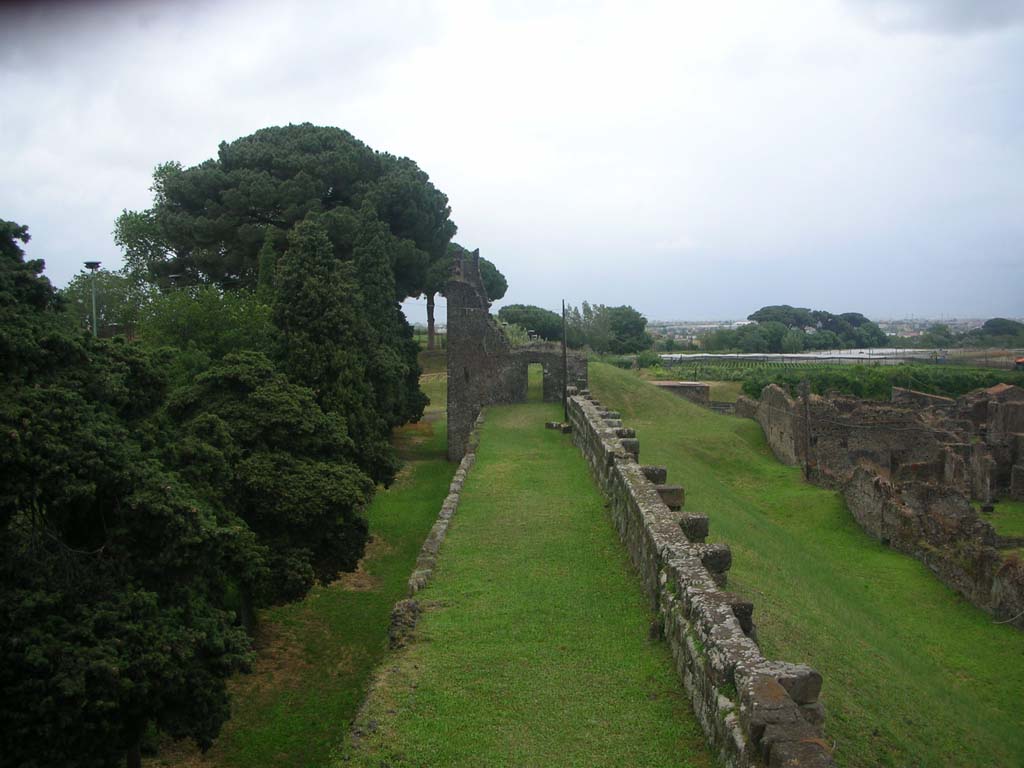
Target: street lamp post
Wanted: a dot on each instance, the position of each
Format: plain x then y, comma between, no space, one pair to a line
92,266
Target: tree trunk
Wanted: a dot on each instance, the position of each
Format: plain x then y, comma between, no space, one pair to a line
430,321
133,756
248,612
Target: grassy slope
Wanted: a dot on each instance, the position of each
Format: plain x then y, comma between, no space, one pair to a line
913,674
317,655
534,649
722,391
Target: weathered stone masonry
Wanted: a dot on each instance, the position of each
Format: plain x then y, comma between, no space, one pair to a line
754,711
406,612
907,470
483,368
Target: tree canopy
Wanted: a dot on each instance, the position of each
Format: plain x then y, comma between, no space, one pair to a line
620,330
543,322
209,222
782,328
111,583
154,493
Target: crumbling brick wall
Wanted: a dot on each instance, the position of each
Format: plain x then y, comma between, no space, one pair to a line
483,368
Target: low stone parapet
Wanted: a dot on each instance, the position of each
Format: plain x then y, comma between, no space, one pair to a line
754,711
406,612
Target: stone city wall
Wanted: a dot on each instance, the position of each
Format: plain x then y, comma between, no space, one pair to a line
907,475
754,711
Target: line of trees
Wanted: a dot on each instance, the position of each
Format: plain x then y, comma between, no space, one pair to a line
995,332
615,330
786,329
154,495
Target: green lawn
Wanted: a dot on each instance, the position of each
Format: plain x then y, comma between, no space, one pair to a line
316,657
533,649
721,391
1007,517
914,675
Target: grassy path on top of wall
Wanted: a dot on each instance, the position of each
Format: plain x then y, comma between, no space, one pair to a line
315,657
914,675
533,647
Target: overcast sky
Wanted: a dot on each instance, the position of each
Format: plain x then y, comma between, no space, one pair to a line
693,159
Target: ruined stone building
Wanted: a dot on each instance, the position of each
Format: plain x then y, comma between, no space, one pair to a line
909,470
483,367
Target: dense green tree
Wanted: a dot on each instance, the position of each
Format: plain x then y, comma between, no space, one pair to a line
392,365
111,567
232,224
793,341
791,317
774,332
752,339
210,222
543,322
1000,326
720,339
326,338
628,330
821,340
204,323
621,330
121,301
142,243
263,447
849,329
996,332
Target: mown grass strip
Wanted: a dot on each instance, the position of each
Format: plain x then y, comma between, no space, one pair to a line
914,675
534,647
316,657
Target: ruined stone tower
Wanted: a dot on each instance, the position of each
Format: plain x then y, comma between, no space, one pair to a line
483,368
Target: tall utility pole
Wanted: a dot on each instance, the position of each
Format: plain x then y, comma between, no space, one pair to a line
93,266
565,369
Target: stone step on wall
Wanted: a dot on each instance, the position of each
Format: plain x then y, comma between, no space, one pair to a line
754,711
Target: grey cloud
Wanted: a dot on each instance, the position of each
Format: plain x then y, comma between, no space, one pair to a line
944,17
705,169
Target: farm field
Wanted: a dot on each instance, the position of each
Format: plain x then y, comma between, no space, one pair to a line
533,648
914,675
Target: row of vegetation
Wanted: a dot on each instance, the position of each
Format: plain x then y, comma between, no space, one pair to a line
872,382
154,494
876,382
997,332
616,330
782,328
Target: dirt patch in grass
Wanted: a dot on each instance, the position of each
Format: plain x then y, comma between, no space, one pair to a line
359,580
280,665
